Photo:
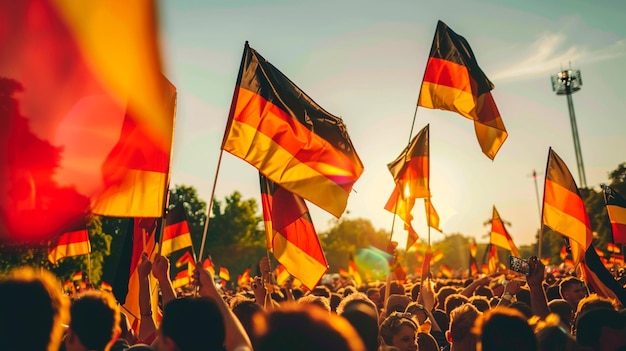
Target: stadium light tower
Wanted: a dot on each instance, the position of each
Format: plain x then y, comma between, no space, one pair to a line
566,83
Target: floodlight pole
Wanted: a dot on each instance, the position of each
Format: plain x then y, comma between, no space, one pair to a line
566,83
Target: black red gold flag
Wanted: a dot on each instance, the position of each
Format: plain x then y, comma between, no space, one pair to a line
354,271
290,233
500,236
73,243
87,120
453,81
411,172
599,279
616,208
281,131
473,264
564,209
176,234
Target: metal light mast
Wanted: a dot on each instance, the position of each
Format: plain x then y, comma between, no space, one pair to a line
566,83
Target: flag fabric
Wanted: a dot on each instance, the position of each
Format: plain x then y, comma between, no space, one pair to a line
446,271
437,256
402,208
610,247
428,255
411,172
104,286
432,217
616,208
473,264
183,278
185,258
74,243
208,265
545,261
599,279
224,273
102,66
563,208
176,234
500,236
353,271
563,254
278,129
290,233
281,275
77,276
244,278
453,81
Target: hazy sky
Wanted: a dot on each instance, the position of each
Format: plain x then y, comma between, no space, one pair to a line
364,61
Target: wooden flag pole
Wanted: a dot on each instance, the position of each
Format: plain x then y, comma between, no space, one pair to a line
208,212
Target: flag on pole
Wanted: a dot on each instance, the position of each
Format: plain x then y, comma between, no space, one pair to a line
281,275
563,208
101,76
185,258
453,81
244,278
599,279
432,217
445,271
428,255
290,233
616,208
278,129
224,273
610,247
77,276
208,265
74,243
473,264
176,234
500,236
563,253
411,172
183,278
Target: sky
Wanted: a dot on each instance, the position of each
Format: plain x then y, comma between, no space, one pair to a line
364,60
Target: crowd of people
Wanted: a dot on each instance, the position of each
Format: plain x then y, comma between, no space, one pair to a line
500,311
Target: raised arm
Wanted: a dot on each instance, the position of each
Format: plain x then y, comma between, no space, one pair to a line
236,336
161,271
147,327
538,300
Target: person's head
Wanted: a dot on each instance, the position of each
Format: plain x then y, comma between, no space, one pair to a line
245,309
601,329
357,297
204,331
95,322
418,311
396,303
453,301
321,290
484,291
562,309
374,295
320,301
400,331
362,314
572,290
461,323
426,342
504,328
304,328
31,304
522,307
480,302
442,294
555,338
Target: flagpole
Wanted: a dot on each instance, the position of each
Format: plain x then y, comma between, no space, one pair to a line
208,213
163,224
541,226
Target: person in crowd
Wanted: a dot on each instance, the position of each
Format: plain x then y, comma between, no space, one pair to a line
572,290
31,305
362,314
453,301
245,309
601,329
564,310
480,302
202,322
504,328
95,320
460,333
399,330
320,301
555,338
304,328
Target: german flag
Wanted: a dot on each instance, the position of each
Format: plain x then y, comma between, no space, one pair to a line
500,236
224,273
185,258
437,256
278,129
411,172
563,208
281,275
354,271
208,265
610,247
74,243
244,278
428,255
290,233
445,271
616,208
77,276
453,81
96,87
563,254
473,264
432,217
176,234
599,279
